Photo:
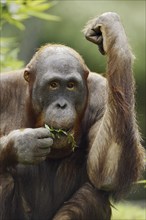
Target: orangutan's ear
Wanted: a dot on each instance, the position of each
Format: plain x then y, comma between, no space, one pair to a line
27,75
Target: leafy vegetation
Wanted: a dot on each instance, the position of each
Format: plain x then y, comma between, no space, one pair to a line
56,133
14,13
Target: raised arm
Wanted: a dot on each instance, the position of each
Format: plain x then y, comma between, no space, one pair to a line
116,156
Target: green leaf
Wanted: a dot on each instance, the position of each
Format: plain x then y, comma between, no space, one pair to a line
39,7
13,21
44,16
20,17
141,182
46,126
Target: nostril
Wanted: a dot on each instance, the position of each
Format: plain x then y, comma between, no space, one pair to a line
61,105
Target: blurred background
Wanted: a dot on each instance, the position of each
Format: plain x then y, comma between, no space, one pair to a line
62,22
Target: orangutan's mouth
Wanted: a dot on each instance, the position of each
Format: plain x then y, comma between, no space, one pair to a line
59,131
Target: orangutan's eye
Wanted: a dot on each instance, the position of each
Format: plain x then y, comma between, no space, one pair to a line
71,85
53,85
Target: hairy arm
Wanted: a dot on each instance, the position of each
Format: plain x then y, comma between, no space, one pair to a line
115,158
87,203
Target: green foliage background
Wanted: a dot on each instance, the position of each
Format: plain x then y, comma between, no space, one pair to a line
128,211
13,14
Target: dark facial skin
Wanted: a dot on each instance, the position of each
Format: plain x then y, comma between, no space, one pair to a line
60,91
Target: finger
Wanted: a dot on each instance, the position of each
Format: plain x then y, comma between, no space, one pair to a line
90,34
42,132
94,35
42,153
93,39
37,160
45,143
